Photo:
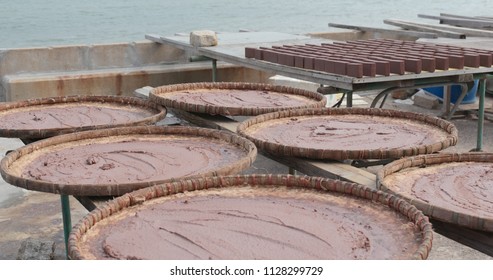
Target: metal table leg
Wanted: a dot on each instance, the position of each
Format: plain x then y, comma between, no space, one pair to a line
214,70
67,222
482,90
448,112
349,99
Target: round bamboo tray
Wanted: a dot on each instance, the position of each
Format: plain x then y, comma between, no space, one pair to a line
47,117
111,162
245,217
235,99
453,188
348,133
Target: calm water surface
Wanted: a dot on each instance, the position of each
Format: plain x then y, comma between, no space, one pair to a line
31,23
27,23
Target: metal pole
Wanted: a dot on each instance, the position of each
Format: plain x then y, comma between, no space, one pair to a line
482,89
446,99
67,222
349,99
214,70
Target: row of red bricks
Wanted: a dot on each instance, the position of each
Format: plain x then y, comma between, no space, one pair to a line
373,57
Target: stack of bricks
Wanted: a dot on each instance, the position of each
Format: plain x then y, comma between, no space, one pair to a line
373,57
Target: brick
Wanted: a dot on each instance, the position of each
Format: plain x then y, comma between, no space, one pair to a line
471,60
428,64
354,70
369,68
319,64
340,67
380,57
381,67
413,65
308,62
258,54
250,52
298,61
485,59
269,56
442,63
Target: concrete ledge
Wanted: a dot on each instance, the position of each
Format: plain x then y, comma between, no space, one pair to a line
117,81
86,57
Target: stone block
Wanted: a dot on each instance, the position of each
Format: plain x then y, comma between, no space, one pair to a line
33,249
203,38
399,94
424,100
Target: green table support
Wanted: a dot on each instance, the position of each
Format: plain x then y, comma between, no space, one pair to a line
214,70
67,221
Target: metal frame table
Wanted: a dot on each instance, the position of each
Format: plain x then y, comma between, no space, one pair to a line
231,49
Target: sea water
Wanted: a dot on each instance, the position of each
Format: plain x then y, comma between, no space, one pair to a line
33,23
30,23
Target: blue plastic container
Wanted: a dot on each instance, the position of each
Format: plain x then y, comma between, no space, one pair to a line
455,92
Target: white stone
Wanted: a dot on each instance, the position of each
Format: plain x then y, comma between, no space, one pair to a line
203,38
426,100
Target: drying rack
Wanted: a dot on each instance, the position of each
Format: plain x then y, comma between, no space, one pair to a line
231,49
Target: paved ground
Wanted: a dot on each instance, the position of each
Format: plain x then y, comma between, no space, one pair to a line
33,216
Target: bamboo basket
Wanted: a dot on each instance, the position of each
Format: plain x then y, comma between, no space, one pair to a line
162,96
12,164
446,211
145,198
280,148
156,113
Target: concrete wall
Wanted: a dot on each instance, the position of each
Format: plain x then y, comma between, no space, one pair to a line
86,57
110,69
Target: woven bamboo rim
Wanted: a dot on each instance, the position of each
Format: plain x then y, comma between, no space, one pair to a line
314,153
158,110
433,211
158,95
290,181
119,189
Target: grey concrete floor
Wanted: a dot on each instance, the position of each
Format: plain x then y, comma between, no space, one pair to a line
28,215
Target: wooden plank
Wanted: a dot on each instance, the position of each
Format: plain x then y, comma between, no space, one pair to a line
181,44
386,31
330,169
463,17
478,240
92,202
233,38
204,120
419,27
463,30
470,23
